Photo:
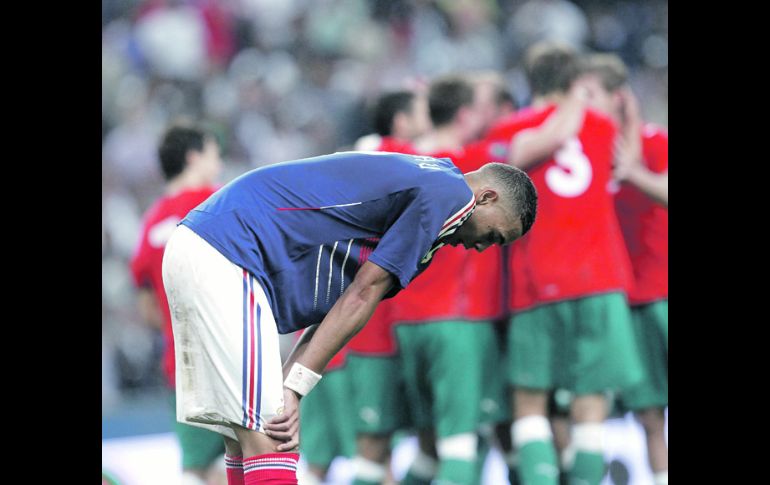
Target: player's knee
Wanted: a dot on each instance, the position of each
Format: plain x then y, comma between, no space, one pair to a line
529,402
591,408
232,447
373,447
463,446
256,443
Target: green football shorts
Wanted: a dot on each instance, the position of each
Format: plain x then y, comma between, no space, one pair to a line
448,368
650,324
585,346
379,406
200,447
327,420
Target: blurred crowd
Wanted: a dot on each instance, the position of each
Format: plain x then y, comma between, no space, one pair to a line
285,79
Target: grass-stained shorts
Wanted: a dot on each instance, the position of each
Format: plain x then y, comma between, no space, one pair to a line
228,363
585,346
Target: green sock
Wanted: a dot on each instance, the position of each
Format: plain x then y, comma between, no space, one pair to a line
538,464
588,469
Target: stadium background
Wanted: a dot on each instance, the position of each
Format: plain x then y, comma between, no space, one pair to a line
287,79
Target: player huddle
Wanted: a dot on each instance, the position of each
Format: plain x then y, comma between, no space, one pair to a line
469,353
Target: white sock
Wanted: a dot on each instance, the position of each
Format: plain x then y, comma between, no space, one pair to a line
588,437
462,446
530,428
424,466
368,470
661,478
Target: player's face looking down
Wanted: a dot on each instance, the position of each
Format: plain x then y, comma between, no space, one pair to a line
491,223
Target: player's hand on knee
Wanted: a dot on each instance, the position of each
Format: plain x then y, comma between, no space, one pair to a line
285,426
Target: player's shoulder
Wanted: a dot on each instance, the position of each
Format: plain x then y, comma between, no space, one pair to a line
484,151
525,118
599,120
436,171
157,210
178,203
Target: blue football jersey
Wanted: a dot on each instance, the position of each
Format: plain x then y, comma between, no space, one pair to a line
304,228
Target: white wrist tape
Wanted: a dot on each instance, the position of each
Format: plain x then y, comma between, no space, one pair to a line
301,379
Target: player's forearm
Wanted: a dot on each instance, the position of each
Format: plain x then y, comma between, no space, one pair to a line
655,185
299,349
535,145
346,317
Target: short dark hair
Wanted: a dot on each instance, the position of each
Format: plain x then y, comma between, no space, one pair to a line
387,107
179,139
550,67
609,68
518,189
446,96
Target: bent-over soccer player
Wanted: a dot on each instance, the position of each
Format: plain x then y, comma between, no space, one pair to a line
310,243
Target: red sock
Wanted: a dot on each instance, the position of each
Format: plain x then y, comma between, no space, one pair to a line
234,466
272,468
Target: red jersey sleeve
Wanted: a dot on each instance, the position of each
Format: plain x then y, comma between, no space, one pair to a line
141,261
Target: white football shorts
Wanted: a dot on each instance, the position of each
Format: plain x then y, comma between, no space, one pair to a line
228,362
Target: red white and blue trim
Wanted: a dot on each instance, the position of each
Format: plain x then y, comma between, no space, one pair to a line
456,220
235,462
450,227
252,356
273,461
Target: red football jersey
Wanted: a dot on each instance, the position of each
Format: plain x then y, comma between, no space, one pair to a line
645,225
575,248
376,338
460,284
146,264
390,144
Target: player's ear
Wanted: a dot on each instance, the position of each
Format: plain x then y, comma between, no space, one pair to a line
486,196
